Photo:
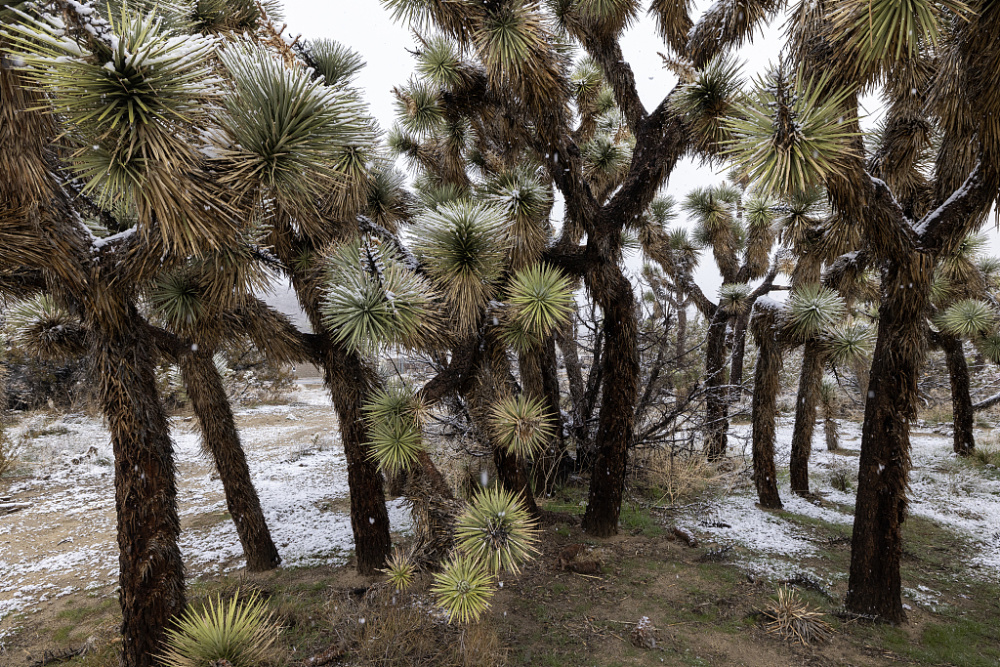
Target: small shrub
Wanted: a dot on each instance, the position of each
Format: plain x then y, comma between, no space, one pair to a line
240,632
792,619
675,477
842,477
9,453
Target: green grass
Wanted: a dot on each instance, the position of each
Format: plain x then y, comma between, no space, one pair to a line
637,521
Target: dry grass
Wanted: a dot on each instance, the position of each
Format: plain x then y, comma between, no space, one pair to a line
792,619
9,454
675,477
387,629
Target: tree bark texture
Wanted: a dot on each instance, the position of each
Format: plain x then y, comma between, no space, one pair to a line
151,573
221,439
874,586
810,379
961,400
539,380
766,384
716,391
613,294
739,353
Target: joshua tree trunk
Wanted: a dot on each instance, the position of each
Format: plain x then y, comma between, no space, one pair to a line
350,381
874,587
961,400
151,573
716,392
766,383
739,352
613,293
220,437
810,379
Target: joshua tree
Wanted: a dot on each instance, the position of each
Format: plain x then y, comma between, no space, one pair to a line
909,216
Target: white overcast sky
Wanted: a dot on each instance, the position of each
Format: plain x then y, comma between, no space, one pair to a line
368,29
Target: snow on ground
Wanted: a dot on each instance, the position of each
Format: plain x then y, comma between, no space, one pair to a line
65,541
942,488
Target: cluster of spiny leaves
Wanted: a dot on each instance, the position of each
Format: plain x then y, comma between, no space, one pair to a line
964,295
234,631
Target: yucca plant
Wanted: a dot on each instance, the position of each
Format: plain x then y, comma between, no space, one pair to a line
395,418
44,329
373,299
540,300
814,309
400,570
238,631
337,64
735,297
848,343
497,531
462,245
968,318
522,425
464,588
790,135
710,99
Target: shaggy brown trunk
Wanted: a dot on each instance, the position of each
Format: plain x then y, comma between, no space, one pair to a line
810,380
766,383
874,586
151,573
961,400
716,392
220,437
739,352
350,382
613,294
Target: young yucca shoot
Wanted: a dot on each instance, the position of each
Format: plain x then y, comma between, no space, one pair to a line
463,588
497,531
540,301
394,417
238,631
400,570
968,318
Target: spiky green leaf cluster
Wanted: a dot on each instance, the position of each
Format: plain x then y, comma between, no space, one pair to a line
814,309
419,108
240,632
129,97
439,62
394,417
709,99
522,425
463,588
462,245
43,329
497,531
735,297
968,318
290,132
883,31
540,300
525,202
790,136
849,343
336,63
989,346
178,299
372,299
399,569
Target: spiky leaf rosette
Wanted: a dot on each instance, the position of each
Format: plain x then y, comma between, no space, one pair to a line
968,318
989,346
788,137
388,203
525,202
663,210
394,417
735,297
373,300
440,62
336,63
238,631
290,133
849,343
814,309
178,300
497,531
540,299
223,16
462,245
709,99
44,329
399,569
522,425
463,588
605,161
419,108
883,31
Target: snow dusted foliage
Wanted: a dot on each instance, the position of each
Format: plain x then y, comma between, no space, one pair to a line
373,299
